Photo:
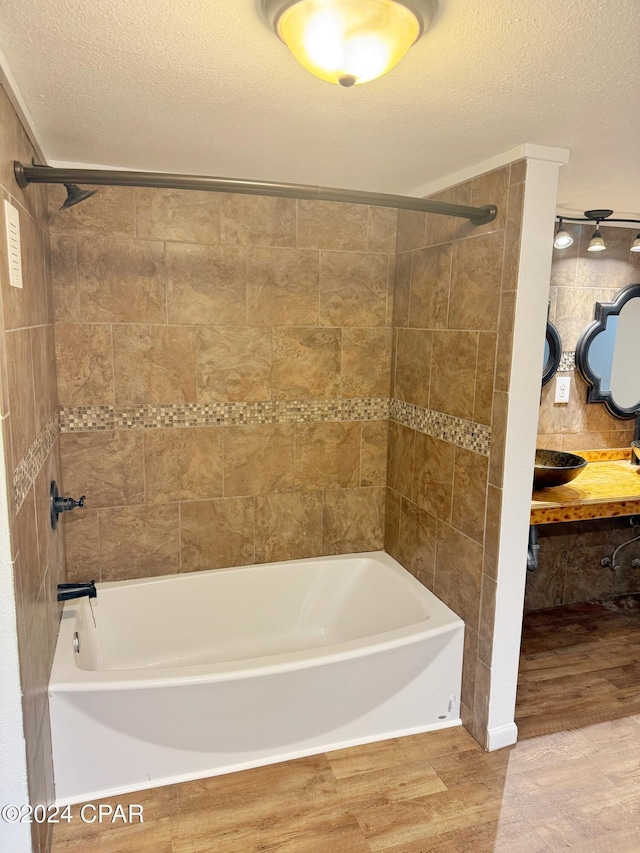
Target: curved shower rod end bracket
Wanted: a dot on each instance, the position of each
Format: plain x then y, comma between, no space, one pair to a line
488,214
18,171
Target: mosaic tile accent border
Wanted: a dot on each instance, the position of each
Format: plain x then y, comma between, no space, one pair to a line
148,416
28,467
462,433
466,434
567,362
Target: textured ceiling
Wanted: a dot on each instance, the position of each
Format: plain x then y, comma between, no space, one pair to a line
203,86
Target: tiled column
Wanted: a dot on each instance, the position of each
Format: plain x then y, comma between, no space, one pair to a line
453,318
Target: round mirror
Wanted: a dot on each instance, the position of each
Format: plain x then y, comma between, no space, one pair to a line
552,352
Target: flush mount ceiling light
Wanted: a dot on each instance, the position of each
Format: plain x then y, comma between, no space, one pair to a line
349,41
563,239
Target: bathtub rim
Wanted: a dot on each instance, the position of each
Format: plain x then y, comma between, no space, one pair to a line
66,676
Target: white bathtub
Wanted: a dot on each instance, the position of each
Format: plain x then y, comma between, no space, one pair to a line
199,674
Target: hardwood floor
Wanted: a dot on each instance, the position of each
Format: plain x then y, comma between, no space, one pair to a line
571,783
579,664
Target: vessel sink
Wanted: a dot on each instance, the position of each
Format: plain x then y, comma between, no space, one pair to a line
555,468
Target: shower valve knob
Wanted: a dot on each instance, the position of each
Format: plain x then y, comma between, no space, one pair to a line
59,505
67,504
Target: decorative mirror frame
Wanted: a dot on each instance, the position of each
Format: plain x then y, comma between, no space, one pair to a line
603,311
555,352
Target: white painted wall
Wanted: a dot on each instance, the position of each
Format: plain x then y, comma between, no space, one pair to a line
14,837
526,151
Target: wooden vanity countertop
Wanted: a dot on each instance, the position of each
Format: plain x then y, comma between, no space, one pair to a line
608,486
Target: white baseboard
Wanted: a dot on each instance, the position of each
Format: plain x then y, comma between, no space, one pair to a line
502,736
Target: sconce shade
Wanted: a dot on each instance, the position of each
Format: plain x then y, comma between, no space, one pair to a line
597,244
349,42
635,246
563,239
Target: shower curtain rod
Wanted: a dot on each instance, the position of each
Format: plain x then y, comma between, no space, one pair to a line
26,175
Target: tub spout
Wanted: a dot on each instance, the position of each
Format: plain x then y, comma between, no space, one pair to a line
67,591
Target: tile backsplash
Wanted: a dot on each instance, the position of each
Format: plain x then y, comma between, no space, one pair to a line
579,279
223,375
569,562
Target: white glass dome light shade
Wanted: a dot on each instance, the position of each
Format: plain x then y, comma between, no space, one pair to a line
349,42
563,239
597,244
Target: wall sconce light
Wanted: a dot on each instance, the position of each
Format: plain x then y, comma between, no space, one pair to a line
349,42
563,238
596,244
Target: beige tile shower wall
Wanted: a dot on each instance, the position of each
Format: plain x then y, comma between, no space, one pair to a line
453,316
28,408
579,279
260,330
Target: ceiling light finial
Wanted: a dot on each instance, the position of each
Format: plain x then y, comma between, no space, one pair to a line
349,42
